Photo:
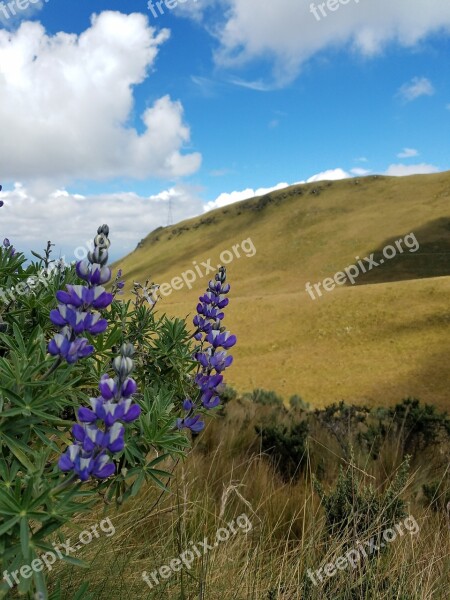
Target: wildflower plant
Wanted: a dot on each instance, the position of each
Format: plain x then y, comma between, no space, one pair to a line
92,393
211,356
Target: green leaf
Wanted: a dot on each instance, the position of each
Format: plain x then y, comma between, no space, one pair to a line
18,452
8,525
25,537
75,561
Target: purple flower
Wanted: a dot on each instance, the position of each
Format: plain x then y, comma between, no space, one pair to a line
100,432
74,459
192,423
211,356
217,339
76,313
7,244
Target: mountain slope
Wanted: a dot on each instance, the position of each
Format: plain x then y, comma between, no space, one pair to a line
375,342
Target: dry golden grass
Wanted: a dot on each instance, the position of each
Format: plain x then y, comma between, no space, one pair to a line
226,476
373,343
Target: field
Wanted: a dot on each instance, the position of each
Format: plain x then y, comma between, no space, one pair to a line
375,342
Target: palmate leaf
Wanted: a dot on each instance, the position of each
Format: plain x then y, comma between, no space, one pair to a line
8,525
8,504
18,449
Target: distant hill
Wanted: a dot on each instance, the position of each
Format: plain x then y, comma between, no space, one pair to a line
377,341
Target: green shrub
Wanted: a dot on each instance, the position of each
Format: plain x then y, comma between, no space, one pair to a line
286,447
355,509
264,397
342,421
418,425
297,403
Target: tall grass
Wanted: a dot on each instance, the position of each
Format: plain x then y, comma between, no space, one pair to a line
227,475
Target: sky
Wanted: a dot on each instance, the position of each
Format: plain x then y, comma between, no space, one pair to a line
113,110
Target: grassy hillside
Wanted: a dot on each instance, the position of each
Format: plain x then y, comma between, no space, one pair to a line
375,342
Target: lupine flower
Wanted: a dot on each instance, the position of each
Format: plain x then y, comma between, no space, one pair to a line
118,284
100,432
192,423
8,246
1,201
75,314
212,359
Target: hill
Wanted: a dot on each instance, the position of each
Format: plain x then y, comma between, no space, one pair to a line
376,341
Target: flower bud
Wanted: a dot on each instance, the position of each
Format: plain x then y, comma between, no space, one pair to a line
127,350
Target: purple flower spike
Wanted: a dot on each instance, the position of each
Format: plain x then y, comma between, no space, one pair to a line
211,355
100,433
75,314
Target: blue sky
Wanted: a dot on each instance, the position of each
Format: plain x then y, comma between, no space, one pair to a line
108,112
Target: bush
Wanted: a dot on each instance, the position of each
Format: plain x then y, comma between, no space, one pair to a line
353,509
418,425
342,421
297,403
286,448
227,394
265,398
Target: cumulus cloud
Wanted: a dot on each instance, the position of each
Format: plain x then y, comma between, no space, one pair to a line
232,197
400,170
72,95
330,175
417,87
359,172
287,32
236,196
32,213
408,153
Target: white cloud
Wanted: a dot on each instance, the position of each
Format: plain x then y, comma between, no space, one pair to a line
31,215
400,170
236,196
232,197
72,95
330,175
287,33
417,87
360,172
408,153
